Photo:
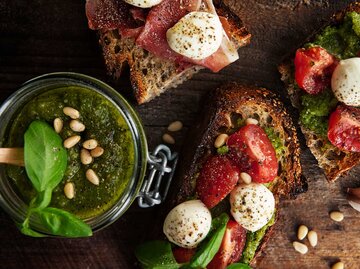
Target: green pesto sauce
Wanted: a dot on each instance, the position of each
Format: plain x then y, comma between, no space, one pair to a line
104,123
341,40
276,142
316,110
253,240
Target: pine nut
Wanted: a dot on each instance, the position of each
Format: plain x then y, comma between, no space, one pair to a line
336,216
58,125
85,157
220,140
251,121
77,126
168,139
92,177
300,247
245,177
71,141
71,112
90,144
97,152
69,190
175,126
302,232
313,238
338,265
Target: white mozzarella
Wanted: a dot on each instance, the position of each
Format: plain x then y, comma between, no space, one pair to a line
143,3
197,35
252,205
345,81
187,224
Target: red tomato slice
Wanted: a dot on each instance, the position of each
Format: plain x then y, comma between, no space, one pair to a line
313,69
252,151
217,178
231,247
344,128
183,255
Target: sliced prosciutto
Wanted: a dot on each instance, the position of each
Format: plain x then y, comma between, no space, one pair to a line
151,34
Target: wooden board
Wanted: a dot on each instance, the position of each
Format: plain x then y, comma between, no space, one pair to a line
39,36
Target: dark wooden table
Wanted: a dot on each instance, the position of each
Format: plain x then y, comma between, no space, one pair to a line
39,36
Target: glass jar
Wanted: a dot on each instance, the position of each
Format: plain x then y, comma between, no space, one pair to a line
10,200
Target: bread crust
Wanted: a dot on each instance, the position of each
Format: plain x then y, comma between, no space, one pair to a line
334,162
223,106
151,75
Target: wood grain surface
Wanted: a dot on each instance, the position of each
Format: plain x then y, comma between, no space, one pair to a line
39,36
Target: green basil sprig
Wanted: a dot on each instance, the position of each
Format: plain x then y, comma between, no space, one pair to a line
158,254
45,164
209,249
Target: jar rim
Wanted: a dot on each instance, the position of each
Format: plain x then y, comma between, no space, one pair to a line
38,85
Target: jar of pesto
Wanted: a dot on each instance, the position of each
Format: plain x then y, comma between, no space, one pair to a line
112,122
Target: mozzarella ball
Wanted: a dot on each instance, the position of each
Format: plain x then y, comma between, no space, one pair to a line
197,35
345,81
252,205
143,3
187,224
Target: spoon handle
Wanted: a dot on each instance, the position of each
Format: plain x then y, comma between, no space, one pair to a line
13,156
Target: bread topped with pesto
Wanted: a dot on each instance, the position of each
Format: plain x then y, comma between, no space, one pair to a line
240,160
163,43
321,78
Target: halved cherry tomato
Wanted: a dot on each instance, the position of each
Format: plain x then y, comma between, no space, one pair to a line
344,128
183,255
252,151
217,178
313,69
231,247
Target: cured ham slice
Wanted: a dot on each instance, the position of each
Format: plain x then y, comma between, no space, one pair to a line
151,34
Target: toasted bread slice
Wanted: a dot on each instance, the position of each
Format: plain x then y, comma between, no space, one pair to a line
331,159
151,75
222,112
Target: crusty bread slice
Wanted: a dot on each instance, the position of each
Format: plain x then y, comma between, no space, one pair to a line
332,160
226,106
151,75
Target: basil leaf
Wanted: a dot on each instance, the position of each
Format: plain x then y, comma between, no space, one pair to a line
25,229
41,201
238,266
44,155
208,250
63,223
156,255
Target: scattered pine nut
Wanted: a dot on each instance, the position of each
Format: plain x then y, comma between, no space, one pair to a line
245,177
338,265
168,139
300,247
302,232
97,152
71,112
58,125
92,177
85,157
69,190
90,144
336,216
77,126
175,126
313,238
251,121
220,140
71,141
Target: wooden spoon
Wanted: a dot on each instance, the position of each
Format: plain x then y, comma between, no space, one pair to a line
13,156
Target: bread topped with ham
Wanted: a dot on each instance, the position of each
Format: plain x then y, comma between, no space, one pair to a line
165,42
